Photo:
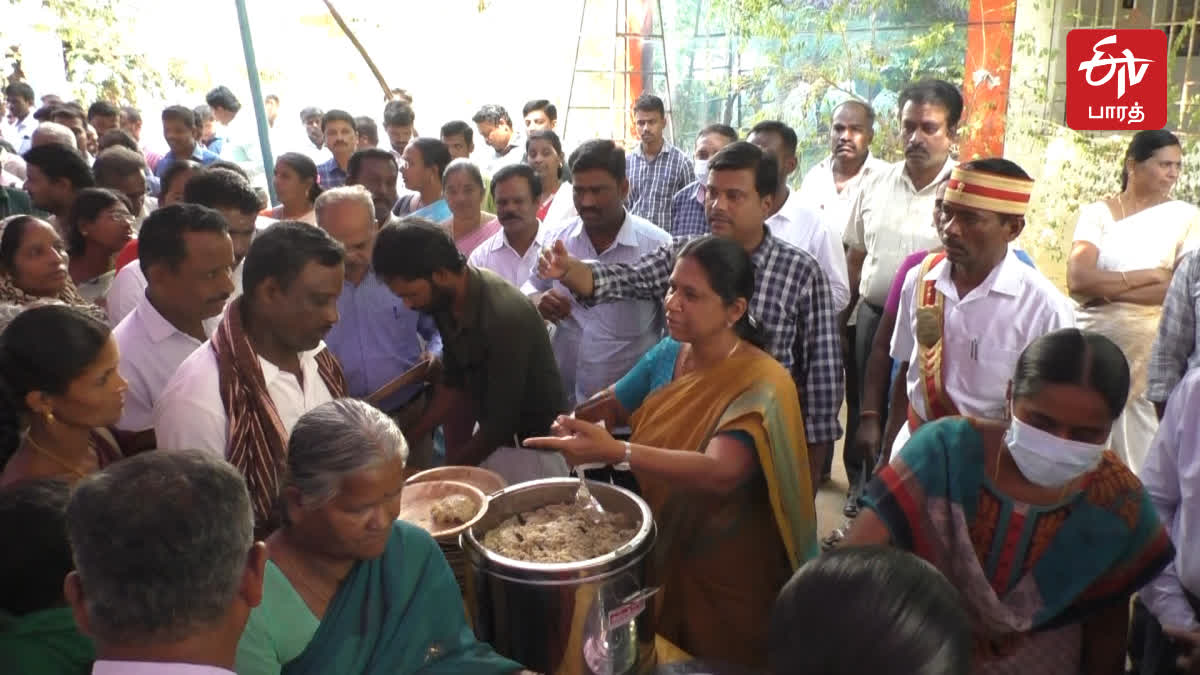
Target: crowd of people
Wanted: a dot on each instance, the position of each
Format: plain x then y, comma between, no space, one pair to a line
210,401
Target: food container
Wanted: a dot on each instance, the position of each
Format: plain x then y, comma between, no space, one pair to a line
418,498
486,480
584,618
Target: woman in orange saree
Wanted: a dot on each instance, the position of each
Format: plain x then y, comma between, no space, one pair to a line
718,449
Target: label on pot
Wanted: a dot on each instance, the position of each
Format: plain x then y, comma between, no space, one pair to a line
626,613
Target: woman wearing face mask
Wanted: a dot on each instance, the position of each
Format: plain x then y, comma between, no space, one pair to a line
1044,532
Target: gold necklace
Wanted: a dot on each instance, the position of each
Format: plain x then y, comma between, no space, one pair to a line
53,457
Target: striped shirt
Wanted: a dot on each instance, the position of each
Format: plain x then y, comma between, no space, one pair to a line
653,182
792,300
1177,347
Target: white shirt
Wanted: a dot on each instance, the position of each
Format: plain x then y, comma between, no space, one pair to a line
1171,474
983,334
190,415
801,227
819,191
596,346
155,668
562,209
20,134
497,255
151,350
889,220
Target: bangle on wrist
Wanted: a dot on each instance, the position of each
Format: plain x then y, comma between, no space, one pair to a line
628,452
869,413
1125,279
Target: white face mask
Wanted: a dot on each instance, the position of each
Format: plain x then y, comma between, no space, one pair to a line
1048,460
701,169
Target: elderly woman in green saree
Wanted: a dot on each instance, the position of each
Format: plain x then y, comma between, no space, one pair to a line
1044,531
349,589
718,451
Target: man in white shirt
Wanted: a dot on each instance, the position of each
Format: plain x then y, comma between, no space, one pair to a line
888,221
186,254
831,186
1170,473
176,526
496,130
513,251
19,98
240,134
220,189
967,313
239,395
794,222
595,346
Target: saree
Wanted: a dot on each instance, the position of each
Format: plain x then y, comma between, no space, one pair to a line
399,613
1029,574
69,295
721,560
1156,237
45,642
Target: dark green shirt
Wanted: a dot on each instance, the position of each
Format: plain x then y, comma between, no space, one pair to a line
500,355
14,202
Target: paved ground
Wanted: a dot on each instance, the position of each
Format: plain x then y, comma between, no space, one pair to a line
832,496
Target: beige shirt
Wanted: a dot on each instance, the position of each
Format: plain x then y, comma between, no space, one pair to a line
890,220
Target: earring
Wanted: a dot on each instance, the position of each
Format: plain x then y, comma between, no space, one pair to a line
49,417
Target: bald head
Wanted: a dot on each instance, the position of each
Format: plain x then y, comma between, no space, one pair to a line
53,132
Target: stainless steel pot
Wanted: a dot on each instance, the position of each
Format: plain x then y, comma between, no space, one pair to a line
585,618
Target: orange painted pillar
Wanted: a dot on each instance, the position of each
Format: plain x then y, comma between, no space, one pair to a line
990,26
639,20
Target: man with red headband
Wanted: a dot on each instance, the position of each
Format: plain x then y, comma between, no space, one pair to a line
968,311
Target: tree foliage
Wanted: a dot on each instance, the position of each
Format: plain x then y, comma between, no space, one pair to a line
98,62
800,58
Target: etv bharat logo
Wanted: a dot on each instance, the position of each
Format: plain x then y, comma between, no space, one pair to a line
1116,79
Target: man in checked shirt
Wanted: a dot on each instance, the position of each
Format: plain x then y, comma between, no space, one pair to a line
791,295
656,169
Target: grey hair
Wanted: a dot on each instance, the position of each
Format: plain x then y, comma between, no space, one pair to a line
337,439
58,133
160,542
345,193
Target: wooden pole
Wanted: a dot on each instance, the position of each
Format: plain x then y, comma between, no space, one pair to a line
387,91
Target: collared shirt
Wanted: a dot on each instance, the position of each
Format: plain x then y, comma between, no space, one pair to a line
654,181
500,355
151,350
983,333
791,299
889,220
801,227
687,212
1170,474
128,288
330,175
155,668
819,191
595,346
190,413
497,255
20,134
1177,347
200,153
493,161
377,338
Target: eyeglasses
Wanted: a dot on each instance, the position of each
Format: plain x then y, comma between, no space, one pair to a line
118,217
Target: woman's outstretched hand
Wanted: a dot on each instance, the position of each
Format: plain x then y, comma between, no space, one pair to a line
580,442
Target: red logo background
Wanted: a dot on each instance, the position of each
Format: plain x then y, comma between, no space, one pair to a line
1100,107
